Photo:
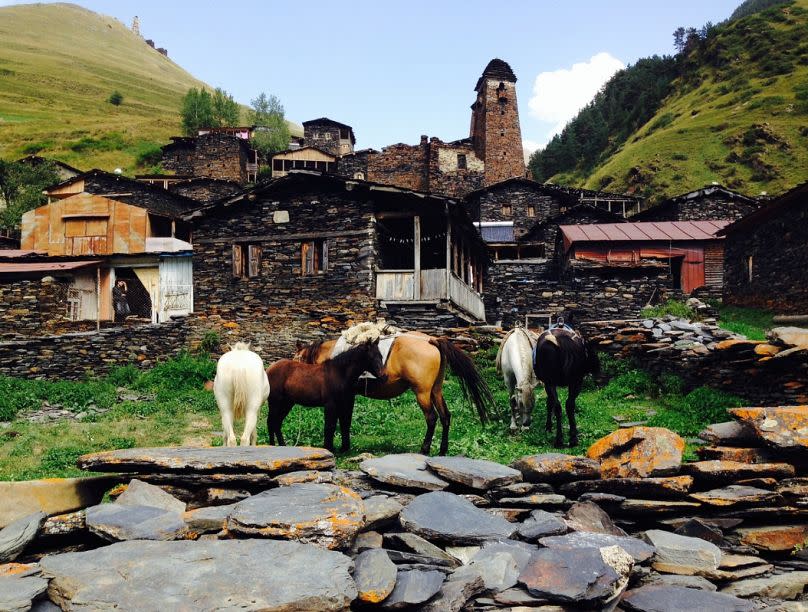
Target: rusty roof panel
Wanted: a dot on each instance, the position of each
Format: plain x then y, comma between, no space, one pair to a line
50,266
644,231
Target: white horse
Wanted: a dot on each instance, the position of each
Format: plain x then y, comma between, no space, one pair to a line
515,363
240,387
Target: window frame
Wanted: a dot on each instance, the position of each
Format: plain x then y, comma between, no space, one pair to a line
313,257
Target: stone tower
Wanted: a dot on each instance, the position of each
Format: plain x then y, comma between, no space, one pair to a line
136,25
495,123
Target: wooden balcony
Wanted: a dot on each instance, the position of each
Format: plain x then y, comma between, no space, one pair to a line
433,286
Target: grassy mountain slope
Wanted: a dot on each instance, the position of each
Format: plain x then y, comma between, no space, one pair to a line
59,63
737,114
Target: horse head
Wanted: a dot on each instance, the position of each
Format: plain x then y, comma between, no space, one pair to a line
375,363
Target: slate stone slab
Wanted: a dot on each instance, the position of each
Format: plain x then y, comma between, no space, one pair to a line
690,582
406,470
580,576
671,487
413,587
380,510
116,522
203,575
729,433
17,535
140,493
783,427
419,545
674,550
459,587
374,575
303,476
588,516
501,562
662,598
779,586
541,524
449,518
323,514
536,500
638,452
474,473
737,495
244,479
234,459
555,468
210,518
17,593
727,472
520,489
638,549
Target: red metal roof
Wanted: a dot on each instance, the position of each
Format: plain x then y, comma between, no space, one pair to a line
19,252
50,266
643,231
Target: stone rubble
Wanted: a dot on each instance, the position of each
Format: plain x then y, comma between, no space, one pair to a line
561,533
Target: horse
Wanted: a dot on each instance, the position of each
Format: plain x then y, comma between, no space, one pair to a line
515,364
240,387
331,384
418,361
562,358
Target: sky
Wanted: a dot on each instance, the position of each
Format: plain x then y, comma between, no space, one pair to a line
395,70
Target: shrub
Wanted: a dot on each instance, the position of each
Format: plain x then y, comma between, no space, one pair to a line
210,342
114,141
149,154
123,376
115,98
670,307
35,147
631,383
184,372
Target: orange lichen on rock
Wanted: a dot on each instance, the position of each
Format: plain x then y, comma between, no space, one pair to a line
638,452
778,538
784,427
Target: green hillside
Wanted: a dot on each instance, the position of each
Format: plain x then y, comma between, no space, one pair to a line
59,64
736,113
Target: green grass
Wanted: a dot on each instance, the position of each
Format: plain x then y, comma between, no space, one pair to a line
750,322
182,413
670,307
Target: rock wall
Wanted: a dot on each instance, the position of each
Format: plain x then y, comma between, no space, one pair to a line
401,165
704,207
205,190
520,197
31,307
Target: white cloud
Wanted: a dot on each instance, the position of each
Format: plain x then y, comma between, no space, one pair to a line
560,94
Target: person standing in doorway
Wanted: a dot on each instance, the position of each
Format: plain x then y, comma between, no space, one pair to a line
120,300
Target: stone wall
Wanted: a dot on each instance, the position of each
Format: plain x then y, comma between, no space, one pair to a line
152,197
355,165
401,165
501,144
32,307
327,137
178,157
205,190
703,207
445,175
72,356
221,156
520,196
778,248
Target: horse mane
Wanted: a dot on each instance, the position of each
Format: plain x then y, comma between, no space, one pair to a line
310,351
240,346
350,355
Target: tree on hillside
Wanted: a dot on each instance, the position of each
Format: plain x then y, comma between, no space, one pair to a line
21,188
201,109
272,131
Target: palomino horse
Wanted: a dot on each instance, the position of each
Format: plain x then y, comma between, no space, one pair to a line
562,359
418,362
240,387
515,364
331,384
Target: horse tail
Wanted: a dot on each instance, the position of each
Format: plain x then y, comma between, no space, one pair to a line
473,385
499,354
241,391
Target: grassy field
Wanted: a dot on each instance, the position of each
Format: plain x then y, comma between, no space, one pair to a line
182,413
706,129
59,64
750,322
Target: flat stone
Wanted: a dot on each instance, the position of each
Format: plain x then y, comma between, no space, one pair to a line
518,598
735,495
670,487
602,499
588,516
580,576
541,524
501,562
460,586
474,473
116,522
638,452
728,472
16,536
367,540
51,496
682,551
407,470
374,575
789,335
556,468
520,489
778,538
65,524
464,554
419,545
793,487
242,479
729,433
689,582
17,593
537,500
657,507
641,551
732,453
210,518
322,514
512,515
256,575
663,598
413,588
139,493
448,518
780,586
380,510
318,476
696,528
401,557
233,459
783,427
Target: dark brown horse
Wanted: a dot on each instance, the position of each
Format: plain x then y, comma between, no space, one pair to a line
562,358
418,362
331,384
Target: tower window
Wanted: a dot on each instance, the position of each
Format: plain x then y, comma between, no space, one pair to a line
502,112
502,132
461,161
531,211
506,210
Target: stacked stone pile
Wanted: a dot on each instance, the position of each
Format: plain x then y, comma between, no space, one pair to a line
628,526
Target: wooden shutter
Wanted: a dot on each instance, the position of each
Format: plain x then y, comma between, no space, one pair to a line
254,259
238,261
306,255
325,255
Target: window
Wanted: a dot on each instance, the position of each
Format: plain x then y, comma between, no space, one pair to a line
359,175
461,161
507,210
327,136
253,260
531,211
238,261
277,165
313,257
246,260
749,267
343,134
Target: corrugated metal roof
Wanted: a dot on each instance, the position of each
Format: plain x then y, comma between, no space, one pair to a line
50,266
643,231
497,233
19,253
